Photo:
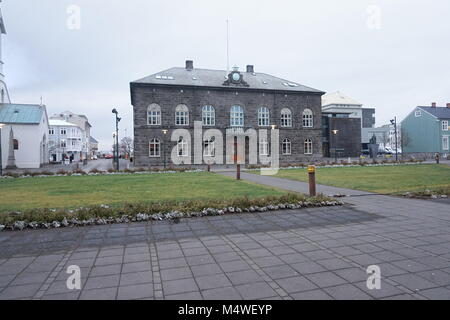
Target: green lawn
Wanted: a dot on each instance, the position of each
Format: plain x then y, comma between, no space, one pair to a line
382,179
72,192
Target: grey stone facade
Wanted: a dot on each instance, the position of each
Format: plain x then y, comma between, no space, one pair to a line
368,117
346,142
169,95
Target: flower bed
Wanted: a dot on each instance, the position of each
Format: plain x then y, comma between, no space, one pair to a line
103,215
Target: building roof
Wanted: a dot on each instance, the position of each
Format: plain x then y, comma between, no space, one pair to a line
60,123
338,98
215,78
438,112
21,113
92,140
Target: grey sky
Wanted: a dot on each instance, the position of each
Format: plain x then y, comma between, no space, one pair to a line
325,44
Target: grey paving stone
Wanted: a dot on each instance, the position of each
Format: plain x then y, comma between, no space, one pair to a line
352,274
185,296
236,265
243,276
268,261
206,269
325,279
436,276
136,257
293,258
62,296
227,293
30,278
136,267
102,282
176,273
105,261
197,260
307,267
105,270
18,292
413,282
257,290
334,264
311,295
226,256
318,255
411,265
212,281
173,263
6,279
296,284
347,292
111,252
60,287
386,290
437,293
279,272
99,294
128,279
137,291
179,286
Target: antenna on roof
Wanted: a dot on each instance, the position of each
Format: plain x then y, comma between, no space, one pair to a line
42,101
228,48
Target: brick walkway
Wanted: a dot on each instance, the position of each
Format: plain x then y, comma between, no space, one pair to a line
319,253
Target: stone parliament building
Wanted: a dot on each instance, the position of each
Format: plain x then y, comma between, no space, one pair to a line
176,98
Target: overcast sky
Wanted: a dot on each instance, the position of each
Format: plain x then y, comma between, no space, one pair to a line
392,64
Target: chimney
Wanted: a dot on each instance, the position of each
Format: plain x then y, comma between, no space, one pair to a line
250,69
448,105
433,104
189,64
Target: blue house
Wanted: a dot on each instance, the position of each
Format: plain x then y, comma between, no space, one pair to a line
425,132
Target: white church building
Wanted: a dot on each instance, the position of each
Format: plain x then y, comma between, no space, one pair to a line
24,128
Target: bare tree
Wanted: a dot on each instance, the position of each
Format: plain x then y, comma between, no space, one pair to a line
126,146
384,138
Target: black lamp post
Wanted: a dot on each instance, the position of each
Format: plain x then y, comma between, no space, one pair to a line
117,138
165,132
1,159
394,122
335,132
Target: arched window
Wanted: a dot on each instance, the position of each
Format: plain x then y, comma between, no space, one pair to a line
286,147
263,117
182,115
209,116
308,146
286,118
182,148
154,115
209,148
308,118
16,144
237,116
155,148
263,147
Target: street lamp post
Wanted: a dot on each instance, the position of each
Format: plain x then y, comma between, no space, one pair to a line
335,132
394,122
1,159
117,138
165,132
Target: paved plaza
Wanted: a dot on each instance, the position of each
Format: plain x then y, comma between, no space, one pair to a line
316,253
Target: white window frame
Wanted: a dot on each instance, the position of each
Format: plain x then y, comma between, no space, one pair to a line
63,144
237,118
307,118
208,116
51,131
263,147
286,147
182,148
154,115
182,115
418,113
445,145
445,125
263,117
308,146
63,131
209,149
156,148
286,118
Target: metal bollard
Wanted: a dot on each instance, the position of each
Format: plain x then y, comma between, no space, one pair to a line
312,180
238,172
209,167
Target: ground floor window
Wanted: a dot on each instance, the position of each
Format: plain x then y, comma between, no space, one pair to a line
263,147
155,148
208,148
445,143
182,147
308,146
286,147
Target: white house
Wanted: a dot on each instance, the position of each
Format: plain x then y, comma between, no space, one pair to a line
24,135
66,141
82,122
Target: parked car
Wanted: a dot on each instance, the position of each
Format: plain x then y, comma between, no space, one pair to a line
94,157
109,156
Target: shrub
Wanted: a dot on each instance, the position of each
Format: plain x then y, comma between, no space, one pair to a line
62,172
